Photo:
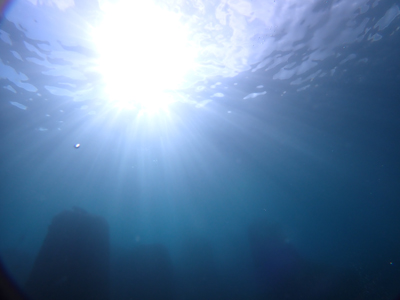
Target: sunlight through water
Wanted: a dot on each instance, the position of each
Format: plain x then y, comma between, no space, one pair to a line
230,149
144,54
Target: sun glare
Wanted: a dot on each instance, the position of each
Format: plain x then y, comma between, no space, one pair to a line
144,54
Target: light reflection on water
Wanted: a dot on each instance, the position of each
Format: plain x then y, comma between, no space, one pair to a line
48,48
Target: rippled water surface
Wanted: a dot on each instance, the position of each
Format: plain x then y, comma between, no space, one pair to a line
253,145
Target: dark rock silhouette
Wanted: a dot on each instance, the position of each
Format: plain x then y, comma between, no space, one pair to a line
73,262
283,274
197,272
144,273
276,262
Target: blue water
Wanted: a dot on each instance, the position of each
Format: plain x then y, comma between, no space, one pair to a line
281,159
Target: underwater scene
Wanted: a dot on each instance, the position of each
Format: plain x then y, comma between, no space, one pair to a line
200,149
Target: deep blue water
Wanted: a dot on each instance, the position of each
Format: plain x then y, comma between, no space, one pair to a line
242,193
